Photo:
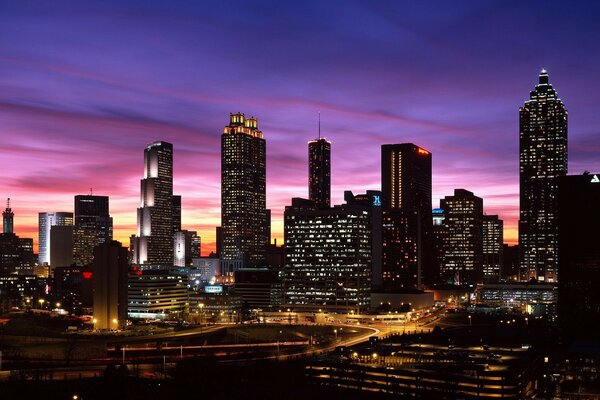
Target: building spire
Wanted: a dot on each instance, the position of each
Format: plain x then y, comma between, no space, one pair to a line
7,218
543,76
319,125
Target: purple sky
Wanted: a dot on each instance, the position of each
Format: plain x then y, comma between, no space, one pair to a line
83,88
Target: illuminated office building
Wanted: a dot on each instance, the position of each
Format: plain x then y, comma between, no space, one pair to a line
156,293
327,257
493,241
93,225
319,171
153,244
186,247
45,222
243,195
463,237
542,159
408,259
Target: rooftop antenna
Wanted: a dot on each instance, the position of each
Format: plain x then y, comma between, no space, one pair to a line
8,203
91,192
319,125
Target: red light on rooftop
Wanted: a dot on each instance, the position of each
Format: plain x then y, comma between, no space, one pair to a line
86,275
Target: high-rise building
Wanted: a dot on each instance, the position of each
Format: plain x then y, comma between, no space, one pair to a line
371,201
45,222
319,171
186,247
8,219
463,237
493,241
153,244
93,225
16,254
243,195
110,273
438,237
176,213
61,246
408,259
327,257
579,256
542,159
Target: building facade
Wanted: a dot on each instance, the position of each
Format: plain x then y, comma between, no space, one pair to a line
93,225
243,195
110,270
327,257
542,159
579,252
319,172
463,238
153,244
493,248
186,247
408,259
157,294
46,220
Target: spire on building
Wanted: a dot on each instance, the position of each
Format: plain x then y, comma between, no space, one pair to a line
8,218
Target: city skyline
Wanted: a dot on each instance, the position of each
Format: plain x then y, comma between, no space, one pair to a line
82,123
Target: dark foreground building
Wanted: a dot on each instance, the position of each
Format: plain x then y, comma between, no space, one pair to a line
579,252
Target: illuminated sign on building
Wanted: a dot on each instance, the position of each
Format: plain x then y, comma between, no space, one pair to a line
595,179
422,151
213,289
377,201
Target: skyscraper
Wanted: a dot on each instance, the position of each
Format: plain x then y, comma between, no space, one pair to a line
153,244
16,254
408,258
93,225
45,222
109,270
243,195
91,213
319,171
493,240
542,159
463,237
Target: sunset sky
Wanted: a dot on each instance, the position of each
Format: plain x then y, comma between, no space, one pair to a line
83,88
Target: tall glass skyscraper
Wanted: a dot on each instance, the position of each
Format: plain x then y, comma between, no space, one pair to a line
153,244
93,225
463,237
542,159
45,222
408,247
243,195
319,172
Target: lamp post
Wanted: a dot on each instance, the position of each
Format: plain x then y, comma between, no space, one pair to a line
95,321
470,321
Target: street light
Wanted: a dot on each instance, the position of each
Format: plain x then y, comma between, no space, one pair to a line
41,301
95,321
470,322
